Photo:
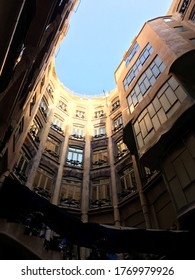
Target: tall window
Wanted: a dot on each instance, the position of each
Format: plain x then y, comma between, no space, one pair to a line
145,82
143,57
122,149
80,114
115,104
43,183
99,114
32,103
21,168
44,106
19,131
100,158
192,16
183,5
99,131
118,123
78,131
35,129
128,183
70,192
100,193
50,91
132,53
52,146
57,123
62,105
75,156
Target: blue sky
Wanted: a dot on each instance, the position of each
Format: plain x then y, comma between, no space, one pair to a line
100,31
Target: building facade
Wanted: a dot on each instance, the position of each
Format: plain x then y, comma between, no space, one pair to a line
125,158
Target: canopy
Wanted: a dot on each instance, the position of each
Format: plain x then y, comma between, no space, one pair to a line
17,200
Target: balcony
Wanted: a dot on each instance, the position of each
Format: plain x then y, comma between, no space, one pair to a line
122,153
57,128
33,134
20,174
99,163
52,153
70,202
42,192
74,162
99,135
115,106
127,192
77,136
118,127
43,112
99,203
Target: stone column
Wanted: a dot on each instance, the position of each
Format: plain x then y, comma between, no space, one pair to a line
64,147
112,173
143,200
86,177
36,160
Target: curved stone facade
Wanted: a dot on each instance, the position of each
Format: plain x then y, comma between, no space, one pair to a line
124,158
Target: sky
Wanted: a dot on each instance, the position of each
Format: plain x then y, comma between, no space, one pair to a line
100,32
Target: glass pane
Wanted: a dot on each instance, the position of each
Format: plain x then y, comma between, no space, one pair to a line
165,103
148,122
156,123
155,71
171,96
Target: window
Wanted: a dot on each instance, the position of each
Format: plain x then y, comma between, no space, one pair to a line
75,156
99,132
192,16
78,132
99,114
70,192
50,91
132,53
122,149
18,131
62,106
80,114
180,28
52,146
44,106
57,124
128,183
192,40
163,106
35,129
145,82
115,104
167,19
100,158
100,193
21,168
43,183
147,51
118,123
32,103
183,6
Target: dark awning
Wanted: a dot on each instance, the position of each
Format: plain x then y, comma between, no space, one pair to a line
17,200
